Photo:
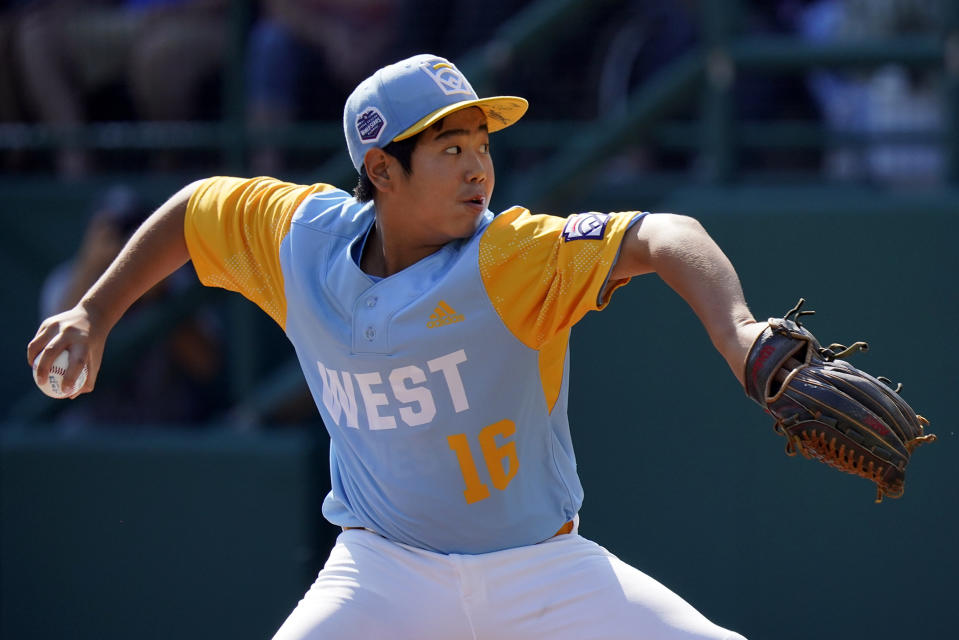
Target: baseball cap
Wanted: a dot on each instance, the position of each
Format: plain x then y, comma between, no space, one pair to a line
404,98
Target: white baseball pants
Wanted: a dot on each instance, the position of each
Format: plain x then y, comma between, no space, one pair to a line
565,587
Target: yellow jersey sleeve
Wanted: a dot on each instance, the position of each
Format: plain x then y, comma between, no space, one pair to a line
544,273
234,228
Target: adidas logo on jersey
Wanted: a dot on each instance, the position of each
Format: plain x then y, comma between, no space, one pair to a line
443,315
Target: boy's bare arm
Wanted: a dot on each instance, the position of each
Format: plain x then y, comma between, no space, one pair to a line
155,250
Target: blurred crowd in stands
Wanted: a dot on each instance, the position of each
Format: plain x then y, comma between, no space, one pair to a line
68,62
64,63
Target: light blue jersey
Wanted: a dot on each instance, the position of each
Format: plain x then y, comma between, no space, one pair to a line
444,386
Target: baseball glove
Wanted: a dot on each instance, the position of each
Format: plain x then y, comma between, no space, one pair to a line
827,409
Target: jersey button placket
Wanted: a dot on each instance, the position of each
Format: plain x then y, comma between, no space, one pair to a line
369,328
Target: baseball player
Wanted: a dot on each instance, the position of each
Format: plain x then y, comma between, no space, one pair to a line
434,337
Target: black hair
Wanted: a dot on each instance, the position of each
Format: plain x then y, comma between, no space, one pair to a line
402,150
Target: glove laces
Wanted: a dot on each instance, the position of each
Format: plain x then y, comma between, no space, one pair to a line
818,444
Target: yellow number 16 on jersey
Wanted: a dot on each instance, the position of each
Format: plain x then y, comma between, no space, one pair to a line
501,460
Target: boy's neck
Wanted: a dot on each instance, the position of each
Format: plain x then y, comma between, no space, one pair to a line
388,250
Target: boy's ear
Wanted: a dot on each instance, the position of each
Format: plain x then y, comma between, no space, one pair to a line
379,168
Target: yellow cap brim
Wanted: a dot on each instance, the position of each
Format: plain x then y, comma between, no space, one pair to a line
501,112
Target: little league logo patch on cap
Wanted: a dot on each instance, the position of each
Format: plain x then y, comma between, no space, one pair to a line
585,226
448,78
369,124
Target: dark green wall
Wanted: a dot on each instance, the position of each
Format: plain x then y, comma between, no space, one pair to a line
685,478
214,535
155,535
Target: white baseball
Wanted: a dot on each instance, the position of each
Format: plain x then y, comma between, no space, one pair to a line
53,385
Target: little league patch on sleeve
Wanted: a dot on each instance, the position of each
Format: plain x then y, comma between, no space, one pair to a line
585,226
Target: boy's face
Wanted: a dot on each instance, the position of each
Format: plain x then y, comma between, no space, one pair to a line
451,178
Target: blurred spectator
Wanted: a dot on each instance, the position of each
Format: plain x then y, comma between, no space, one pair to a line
305,56
636,40
771,96
891,99
159,52
643,36
9,103
455,27
176,378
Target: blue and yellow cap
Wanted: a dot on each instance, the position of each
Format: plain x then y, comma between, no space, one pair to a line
404,98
